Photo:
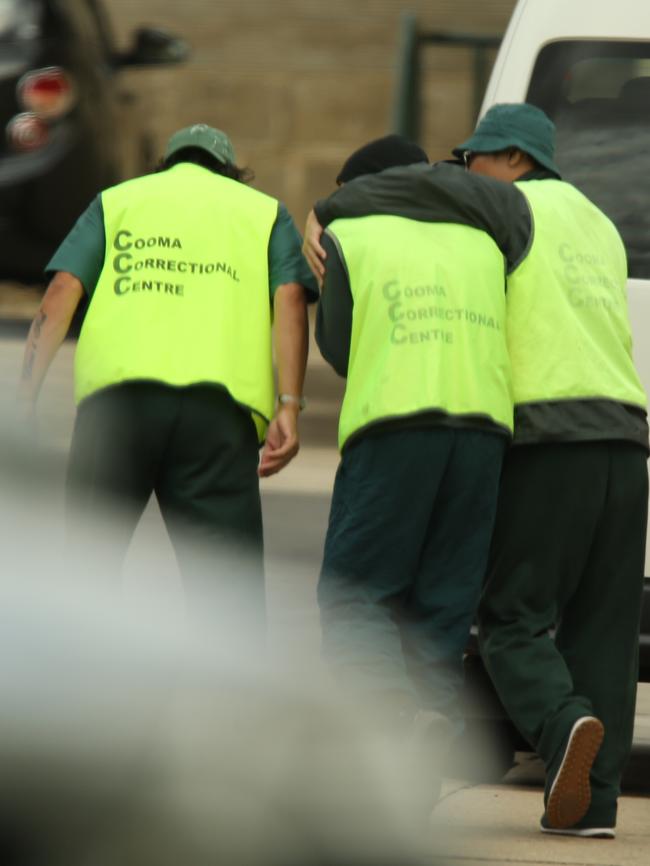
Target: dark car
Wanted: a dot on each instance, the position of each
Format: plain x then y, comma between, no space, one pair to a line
60,107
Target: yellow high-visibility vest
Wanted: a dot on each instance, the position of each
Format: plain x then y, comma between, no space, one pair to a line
183,297
428,322
568,328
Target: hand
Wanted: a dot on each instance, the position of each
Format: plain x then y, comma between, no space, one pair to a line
312,249
281,441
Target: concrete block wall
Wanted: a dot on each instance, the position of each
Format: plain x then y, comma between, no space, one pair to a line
298,84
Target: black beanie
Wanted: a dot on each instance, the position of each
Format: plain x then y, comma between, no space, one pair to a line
387,152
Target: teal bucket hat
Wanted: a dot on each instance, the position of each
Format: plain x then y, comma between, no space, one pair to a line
207,138
515,124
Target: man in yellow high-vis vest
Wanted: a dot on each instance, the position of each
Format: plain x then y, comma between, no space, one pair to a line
184,270
569,541
412,313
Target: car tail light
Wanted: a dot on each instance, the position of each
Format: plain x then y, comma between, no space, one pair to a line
27,132
47,92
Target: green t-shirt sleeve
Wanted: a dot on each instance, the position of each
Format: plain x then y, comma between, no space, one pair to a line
83,250
286,261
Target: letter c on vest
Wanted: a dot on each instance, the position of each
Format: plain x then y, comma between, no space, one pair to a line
391,295
565,253
118,285
117,242
117,263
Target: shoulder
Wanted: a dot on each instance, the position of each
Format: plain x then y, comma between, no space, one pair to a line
132,183
283,218
569,198
256,196
490,189
284,230
90,222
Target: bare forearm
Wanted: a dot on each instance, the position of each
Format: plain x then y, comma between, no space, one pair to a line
47,332
291,337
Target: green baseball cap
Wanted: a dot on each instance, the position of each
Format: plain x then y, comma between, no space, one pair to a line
515,124
212,140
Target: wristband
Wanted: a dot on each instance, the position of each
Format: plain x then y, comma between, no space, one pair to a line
284,399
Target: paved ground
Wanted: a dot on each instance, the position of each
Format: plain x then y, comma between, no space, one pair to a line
499,825
490,823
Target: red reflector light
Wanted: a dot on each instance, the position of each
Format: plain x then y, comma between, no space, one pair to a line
47,92
27,132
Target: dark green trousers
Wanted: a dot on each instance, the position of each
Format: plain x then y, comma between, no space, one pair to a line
197,451
568,553
405,552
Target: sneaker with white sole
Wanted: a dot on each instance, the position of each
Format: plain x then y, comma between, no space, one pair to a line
584,832
570,794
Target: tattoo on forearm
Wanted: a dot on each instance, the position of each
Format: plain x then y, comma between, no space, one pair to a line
39,321
32,346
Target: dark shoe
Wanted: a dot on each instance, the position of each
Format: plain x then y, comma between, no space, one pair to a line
570,793
579,829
